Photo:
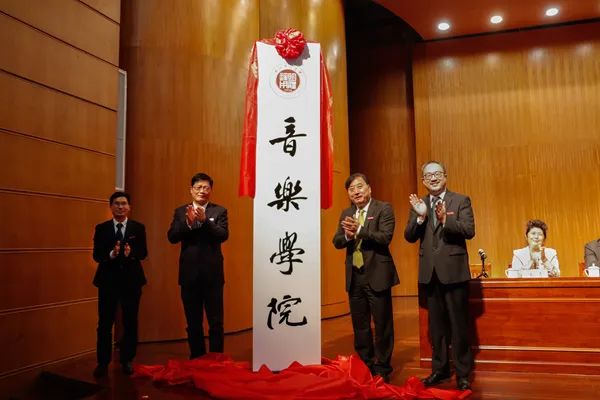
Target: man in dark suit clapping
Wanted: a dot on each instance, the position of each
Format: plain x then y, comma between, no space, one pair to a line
365,231
201,227
119,246
442,221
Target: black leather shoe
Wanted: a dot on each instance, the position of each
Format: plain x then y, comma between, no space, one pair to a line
100,371
435,378
127,368
463,384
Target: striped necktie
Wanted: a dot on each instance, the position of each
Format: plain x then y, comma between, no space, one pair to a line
357,256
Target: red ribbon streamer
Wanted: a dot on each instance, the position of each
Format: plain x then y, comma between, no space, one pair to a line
247,186
343,378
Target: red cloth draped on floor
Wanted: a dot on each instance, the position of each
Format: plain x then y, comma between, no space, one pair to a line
344,378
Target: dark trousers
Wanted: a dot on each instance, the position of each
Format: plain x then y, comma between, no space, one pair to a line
108,300
449,324
364,304
198,299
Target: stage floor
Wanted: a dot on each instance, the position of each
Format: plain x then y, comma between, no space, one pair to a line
337,339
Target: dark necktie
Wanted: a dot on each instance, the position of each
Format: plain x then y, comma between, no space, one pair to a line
434,201
119,234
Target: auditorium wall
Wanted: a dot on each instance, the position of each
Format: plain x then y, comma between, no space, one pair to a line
58,79
381,128
514,116
187,65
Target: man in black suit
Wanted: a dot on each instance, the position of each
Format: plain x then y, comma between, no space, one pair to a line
443,221
365,231
201,227
119,245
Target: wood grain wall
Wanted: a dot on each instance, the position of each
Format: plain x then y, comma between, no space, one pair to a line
381,133
58,79
187,65
515,118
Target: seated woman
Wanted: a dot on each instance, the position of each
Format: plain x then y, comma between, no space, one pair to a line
535,255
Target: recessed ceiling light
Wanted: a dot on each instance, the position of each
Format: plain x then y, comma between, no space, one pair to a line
551,12
443,26
496,19
448,62
584,49
537,53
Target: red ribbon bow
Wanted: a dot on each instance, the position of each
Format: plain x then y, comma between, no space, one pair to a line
289,43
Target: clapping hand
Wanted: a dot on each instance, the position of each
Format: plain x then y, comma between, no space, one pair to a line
538,256
543,257
200,214
350,226
194,214
440,212
127,249
116,249
418,205
190,215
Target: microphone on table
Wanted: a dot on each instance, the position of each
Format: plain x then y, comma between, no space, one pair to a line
483,256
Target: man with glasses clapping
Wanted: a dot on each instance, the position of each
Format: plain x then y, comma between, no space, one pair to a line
201,227
442,221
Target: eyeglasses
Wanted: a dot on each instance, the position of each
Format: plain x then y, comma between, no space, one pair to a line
201,188
355,188
438,174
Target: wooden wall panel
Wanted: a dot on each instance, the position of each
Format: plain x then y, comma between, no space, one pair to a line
38,222
382,143
36,56
187,65
42,335
515,118
110,8
70,21
58,116
45,272
57,142
54,168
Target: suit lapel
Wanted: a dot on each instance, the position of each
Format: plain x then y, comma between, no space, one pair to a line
208,210
448,197
352,211
126,230
110,230
373,207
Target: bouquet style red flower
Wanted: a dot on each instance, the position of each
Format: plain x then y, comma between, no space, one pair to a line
289,43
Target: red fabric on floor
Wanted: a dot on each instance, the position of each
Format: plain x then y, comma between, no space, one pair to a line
343,378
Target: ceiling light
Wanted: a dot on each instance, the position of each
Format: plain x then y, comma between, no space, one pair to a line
537,53
496,19
584,49
443,26
448,62
492,58
551,12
